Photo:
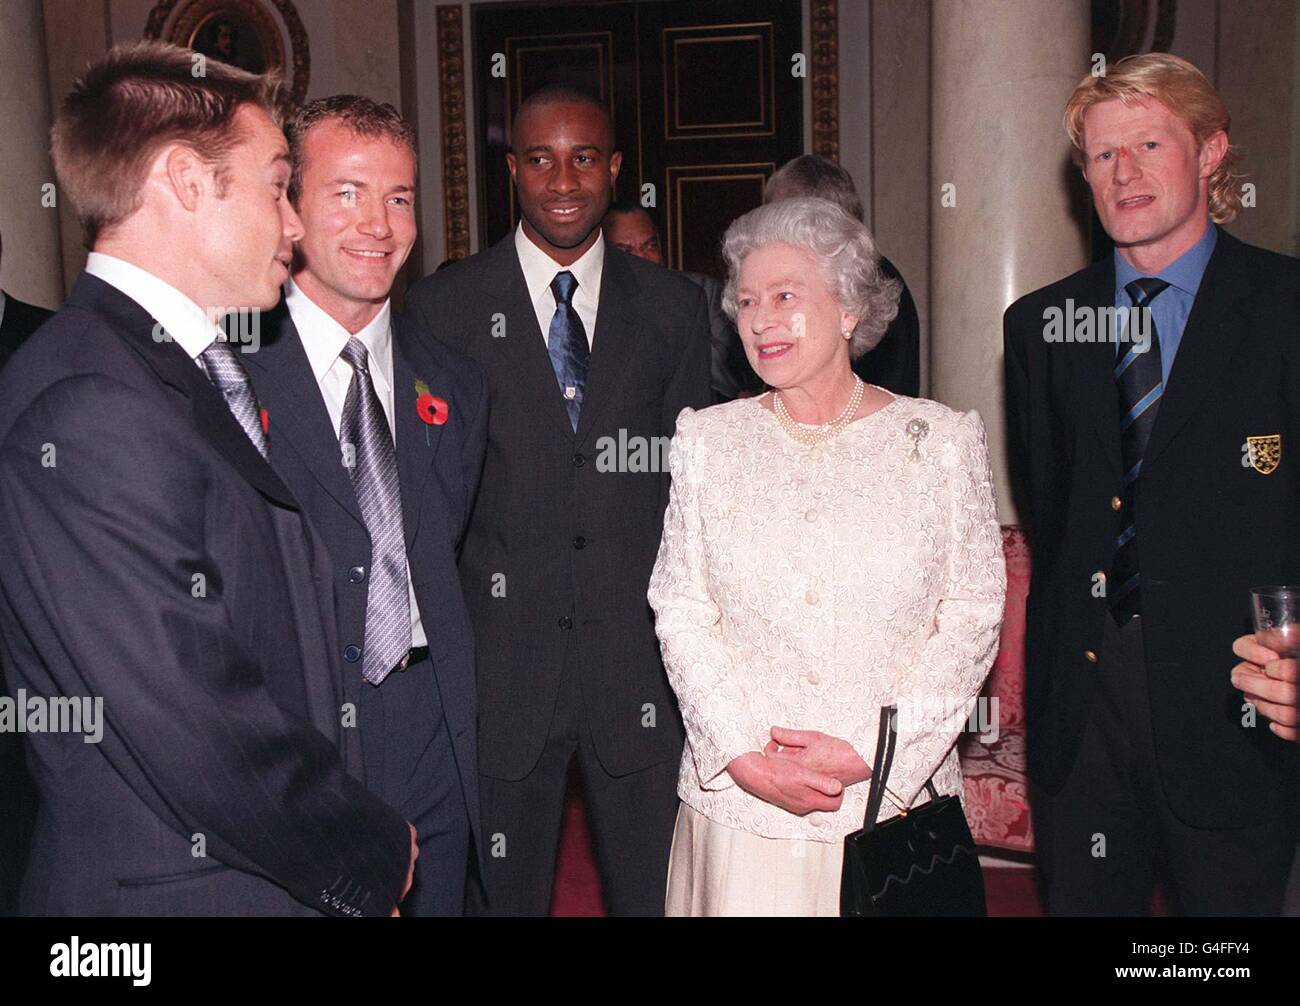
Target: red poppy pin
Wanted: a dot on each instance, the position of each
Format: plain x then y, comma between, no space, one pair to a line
266,420
431,409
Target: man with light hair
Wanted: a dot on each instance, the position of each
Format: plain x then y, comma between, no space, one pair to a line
1151,514
151,557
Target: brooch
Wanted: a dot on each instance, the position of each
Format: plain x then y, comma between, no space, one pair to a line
917,430
431,409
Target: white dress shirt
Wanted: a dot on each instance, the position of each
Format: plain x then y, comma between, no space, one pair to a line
323,339
184,321
540,269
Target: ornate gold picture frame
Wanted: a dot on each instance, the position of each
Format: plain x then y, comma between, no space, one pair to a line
249,34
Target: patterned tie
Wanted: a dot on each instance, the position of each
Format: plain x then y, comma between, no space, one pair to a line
567,345
224,370
1140,384
364,429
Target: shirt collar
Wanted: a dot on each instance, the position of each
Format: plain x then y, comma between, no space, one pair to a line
540,269
1184,272
181,318
323,338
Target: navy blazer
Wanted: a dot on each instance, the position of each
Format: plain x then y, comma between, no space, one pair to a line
1210,526
150,557
438,468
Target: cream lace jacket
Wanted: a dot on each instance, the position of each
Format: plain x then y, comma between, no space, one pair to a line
808,586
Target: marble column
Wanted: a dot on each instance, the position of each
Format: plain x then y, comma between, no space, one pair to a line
1006,215
31,266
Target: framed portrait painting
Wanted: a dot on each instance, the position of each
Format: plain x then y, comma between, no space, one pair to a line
254,35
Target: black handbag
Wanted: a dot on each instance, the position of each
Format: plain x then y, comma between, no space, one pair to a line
920,864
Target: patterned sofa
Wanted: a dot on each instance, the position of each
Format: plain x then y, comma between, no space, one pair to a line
996,783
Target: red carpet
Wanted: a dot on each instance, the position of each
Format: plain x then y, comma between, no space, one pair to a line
1010,892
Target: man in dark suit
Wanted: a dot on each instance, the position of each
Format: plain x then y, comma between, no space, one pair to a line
1163,436
629,227
155,573
391,515
18,320
590,355
895,364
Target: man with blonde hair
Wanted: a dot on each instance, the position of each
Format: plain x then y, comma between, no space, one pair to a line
153,567
1150,399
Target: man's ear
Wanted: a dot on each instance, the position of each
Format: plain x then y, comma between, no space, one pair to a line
615,162
186,175
512,164
1212,153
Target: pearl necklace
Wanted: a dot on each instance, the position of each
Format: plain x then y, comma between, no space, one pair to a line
825,431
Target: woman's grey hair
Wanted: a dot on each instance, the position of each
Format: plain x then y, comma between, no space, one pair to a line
844,247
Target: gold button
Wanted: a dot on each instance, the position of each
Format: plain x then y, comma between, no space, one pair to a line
1116,502
812,678
811,515
811,597
1089,656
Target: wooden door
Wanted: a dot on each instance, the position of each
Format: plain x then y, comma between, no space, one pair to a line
702,93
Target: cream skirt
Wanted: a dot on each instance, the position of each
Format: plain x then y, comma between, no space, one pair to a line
716,870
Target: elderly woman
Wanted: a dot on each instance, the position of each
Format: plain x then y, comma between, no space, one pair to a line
828,548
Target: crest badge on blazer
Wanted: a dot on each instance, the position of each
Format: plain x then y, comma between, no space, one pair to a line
1265,453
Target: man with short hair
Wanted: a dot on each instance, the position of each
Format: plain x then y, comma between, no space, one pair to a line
1151,514
152,564
895,364
380,431
590,356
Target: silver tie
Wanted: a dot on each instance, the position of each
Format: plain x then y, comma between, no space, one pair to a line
368,446
226,372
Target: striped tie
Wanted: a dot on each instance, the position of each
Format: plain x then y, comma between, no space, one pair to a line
226,372
373,464
1140,383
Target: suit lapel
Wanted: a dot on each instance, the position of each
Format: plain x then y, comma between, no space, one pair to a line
1097,406
417,441
1212,333
174,367
296,411
614,343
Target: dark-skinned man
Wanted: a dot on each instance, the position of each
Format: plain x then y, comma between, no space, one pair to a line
589,353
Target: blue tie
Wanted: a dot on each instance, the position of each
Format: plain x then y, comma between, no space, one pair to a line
567,346
1139,381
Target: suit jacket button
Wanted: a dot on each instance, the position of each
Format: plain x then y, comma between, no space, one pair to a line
580,542
1089,656
566,622
356,574
579,460
1116,502
352,654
